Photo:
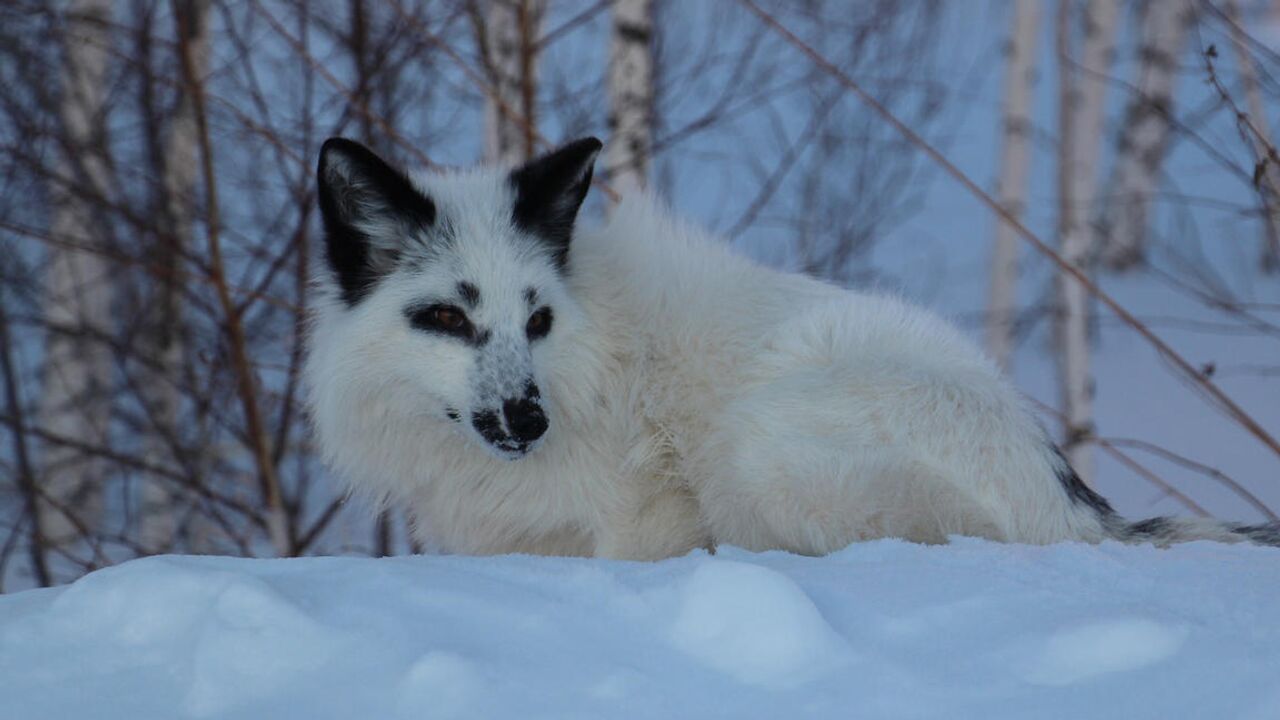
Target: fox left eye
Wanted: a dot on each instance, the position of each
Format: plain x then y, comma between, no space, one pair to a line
539,324
445,319
448,318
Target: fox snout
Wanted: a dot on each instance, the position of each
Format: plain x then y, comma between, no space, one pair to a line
514,428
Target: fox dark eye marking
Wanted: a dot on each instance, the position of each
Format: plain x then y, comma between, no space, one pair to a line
443,319
539,323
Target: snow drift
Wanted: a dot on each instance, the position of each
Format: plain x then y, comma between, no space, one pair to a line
883,629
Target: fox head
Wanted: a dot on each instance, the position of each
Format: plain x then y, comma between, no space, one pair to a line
449,287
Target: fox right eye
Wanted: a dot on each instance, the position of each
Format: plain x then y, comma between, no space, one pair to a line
446,319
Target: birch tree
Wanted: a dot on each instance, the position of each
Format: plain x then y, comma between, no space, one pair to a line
77,287
1268,177
1015,159
631,95
161,343
1082,93
507,34
1145,131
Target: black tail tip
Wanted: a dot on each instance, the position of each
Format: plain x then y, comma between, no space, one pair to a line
1261,534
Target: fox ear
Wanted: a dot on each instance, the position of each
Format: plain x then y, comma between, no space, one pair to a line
370,212
550,189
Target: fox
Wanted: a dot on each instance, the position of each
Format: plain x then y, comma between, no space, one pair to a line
638,390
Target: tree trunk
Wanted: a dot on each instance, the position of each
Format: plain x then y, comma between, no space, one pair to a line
631,95
1144,136
161,338
74,399
1268,180
1082,97
1019,84
507,35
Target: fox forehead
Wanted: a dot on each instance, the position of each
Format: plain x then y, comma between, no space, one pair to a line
475,203
477,240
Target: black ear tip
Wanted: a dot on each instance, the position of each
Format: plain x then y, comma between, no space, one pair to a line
590,144
343,146
335,143
586,147
330,147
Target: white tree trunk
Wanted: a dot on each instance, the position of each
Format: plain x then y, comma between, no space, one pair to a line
1011,189
162,339
73,400
1081,122
1144,136
508,34
1269,179
631,95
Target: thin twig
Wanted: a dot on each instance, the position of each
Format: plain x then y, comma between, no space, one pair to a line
321,523
1199,467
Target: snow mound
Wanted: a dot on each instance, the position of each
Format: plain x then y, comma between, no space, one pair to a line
754,624
1097,648
880,630
446,682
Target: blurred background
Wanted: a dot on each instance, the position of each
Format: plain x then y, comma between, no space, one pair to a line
158,229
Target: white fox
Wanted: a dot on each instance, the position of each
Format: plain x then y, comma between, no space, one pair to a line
638,391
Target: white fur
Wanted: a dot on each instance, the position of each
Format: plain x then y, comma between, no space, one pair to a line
694,398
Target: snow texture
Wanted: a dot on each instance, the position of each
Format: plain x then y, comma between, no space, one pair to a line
880,630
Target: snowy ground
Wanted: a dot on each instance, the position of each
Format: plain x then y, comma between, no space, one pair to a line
884,629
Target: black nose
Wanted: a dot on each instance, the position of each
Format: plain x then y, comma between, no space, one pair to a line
525,419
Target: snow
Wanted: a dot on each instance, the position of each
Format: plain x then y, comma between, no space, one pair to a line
880,630
1104,647
753,624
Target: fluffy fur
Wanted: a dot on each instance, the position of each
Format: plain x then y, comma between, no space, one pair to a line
691,397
